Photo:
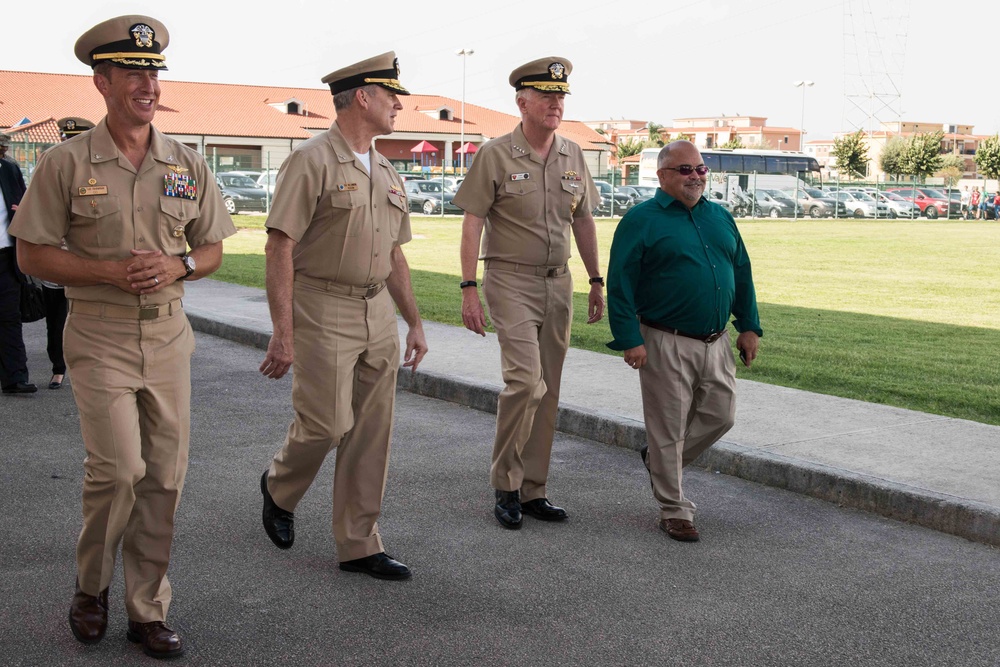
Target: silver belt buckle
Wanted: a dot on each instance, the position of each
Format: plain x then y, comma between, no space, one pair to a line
149,312
372,291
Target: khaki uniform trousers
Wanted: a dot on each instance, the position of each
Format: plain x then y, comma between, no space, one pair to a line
532,316
344,395
132,385
688,403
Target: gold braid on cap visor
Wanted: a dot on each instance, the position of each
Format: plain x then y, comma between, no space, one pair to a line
546,85
120,55
390,82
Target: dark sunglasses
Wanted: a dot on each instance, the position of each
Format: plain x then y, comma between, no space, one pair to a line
687,170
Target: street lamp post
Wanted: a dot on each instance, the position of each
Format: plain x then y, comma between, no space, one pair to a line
802,135
464,53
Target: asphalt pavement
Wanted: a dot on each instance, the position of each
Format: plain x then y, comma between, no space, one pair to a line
778,579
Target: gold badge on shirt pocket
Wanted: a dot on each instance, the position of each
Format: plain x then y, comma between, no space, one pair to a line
178,231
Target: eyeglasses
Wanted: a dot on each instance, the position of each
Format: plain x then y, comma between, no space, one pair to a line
687,170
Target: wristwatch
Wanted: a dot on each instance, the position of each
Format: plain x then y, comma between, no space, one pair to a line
189,265
597,279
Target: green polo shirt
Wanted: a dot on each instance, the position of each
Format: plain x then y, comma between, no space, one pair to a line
685,269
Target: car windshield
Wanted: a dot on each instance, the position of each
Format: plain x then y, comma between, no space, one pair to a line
816,193
429,187
645,190
602,187
892,196
844,196
863,196
934,194
238,181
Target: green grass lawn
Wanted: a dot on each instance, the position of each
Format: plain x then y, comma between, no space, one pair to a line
900,313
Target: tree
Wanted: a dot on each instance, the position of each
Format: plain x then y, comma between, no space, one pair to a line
630,147
952,169
734,142
851,153
923,154
759,144
655,134
988,157
891,161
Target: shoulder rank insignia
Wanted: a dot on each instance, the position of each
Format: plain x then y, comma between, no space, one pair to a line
520,177
347,187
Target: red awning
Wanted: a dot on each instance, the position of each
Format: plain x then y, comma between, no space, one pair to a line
467,147
424,147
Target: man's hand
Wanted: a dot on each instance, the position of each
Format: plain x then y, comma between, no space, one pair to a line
596,303
149,271
748,342
636,356
279,357
473,315
416,347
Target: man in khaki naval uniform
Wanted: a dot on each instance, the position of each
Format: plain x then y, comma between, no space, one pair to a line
128,201
334,269
528,188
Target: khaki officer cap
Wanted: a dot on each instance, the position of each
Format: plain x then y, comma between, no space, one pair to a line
132,42
72,126
381,70
549,75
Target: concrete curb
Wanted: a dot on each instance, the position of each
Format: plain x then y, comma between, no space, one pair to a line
948,514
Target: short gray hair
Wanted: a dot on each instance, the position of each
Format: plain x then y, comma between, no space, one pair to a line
345,98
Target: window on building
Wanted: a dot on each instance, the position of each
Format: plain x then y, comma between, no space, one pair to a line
233,158
293,108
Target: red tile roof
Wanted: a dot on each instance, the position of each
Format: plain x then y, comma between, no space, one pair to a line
232,110
41,132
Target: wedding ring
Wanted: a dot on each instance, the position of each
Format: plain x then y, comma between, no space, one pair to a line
156,281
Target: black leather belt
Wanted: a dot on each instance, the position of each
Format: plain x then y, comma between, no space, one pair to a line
705,338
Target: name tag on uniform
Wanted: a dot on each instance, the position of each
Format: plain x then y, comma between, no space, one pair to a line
520,177
94,190
347,187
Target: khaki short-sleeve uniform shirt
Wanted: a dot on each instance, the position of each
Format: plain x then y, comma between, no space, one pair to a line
529,203
344,220
86,192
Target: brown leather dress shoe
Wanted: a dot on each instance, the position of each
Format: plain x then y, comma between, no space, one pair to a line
88,616
681,530
158,641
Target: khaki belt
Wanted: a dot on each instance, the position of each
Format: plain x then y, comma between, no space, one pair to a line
357,291
124,312
705,338
529,269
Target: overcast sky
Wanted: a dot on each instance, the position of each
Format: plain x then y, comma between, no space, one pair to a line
636,59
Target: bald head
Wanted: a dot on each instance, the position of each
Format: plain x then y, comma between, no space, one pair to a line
688,188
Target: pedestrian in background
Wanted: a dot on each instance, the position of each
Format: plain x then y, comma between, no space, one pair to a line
13,357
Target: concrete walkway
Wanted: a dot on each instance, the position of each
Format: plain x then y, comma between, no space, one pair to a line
935,471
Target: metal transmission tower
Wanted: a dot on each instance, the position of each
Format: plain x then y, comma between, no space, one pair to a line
875,33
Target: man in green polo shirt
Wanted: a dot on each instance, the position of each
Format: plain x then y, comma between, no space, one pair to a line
678,269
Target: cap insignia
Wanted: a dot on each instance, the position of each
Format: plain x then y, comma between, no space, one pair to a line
557,70
143,35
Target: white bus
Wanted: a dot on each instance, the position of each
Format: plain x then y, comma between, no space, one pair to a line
780,170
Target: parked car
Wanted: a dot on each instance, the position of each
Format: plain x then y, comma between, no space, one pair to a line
932,203
770,205
862,205
622,202
267,180
240,192
632,193
425,196
645,192
817,203
899,207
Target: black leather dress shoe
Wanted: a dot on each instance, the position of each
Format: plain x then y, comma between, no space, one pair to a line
158,641
541,508
508,509
88,616
278,524
379,566
20,388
